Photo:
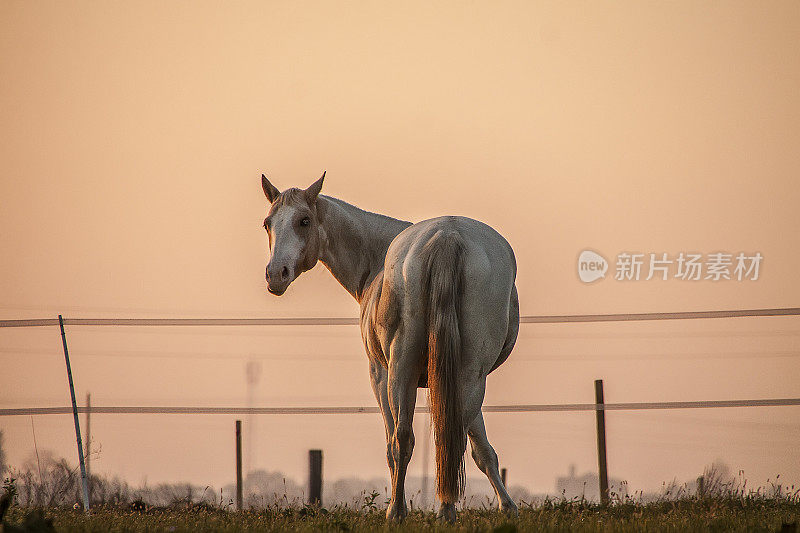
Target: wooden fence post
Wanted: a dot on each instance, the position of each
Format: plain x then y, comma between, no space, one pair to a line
503,476
601,440
84,482
238,465
315,477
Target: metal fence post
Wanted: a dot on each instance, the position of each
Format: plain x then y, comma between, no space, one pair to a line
84,481
601,440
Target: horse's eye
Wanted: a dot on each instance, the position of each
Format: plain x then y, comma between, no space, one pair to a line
266,223
305,222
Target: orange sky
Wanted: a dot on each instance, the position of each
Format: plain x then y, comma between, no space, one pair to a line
133,137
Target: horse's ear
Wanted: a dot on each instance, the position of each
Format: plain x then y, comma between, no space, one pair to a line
269,189
313,190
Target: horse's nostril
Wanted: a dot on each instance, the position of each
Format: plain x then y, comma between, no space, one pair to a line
284,273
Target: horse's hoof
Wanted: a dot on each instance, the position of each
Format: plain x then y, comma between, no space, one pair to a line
396,513
509,508
447,512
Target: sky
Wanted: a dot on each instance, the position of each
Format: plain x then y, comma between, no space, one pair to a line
133,137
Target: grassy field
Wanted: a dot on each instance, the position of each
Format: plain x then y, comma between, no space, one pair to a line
711,514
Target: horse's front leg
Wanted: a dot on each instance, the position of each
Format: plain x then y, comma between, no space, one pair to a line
379,379
404,371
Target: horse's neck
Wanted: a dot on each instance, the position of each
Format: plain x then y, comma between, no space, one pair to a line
354,242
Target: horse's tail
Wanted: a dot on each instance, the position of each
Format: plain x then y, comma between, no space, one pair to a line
443,285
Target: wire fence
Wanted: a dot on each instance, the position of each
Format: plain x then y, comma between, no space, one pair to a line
599,407
344,321
345,410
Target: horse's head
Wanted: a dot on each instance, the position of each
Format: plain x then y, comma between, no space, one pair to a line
294,234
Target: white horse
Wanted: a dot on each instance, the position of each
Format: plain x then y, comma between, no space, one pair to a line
439,309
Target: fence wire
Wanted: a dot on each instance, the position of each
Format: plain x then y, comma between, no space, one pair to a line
345,410
344,321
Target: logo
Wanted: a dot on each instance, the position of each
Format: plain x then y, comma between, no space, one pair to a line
685,266
591,266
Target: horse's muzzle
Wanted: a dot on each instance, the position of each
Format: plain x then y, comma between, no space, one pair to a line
276,292
278,281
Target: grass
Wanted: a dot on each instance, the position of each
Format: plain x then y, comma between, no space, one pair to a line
750,513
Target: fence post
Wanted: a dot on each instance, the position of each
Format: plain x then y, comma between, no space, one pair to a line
700,487
75,416
238,465
87,453
503,477
315,477
601,440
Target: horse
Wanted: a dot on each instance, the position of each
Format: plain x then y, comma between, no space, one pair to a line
439,309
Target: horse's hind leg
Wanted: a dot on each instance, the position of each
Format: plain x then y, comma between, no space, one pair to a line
379,379
404,372
482,452
486,459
